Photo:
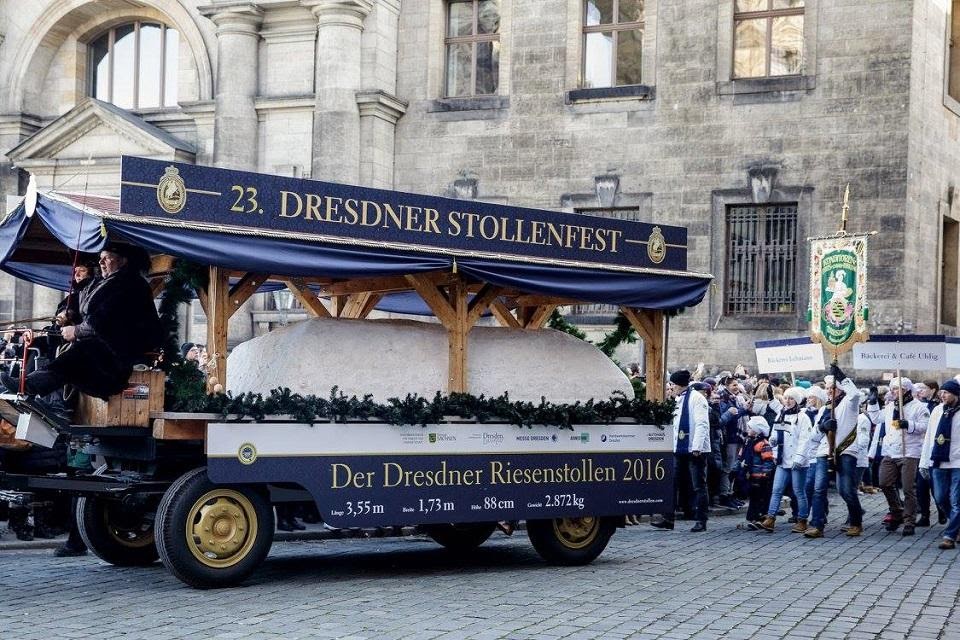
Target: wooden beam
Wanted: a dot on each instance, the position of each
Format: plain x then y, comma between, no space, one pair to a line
218,317
487,294
457,335
337,303
202,297
504,316
649,325
435,299
161,264
356,304
531,300
307,298
381,284
246,287
539,316
156,285
372,301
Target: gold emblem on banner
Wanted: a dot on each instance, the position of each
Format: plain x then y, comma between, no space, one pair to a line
172,191
247,453
656,246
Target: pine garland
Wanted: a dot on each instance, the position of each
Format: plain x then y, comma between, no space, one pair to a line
416,409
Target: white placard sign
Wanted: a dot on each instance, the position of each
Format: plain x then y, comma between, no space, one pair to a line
916,353
785,356
953,353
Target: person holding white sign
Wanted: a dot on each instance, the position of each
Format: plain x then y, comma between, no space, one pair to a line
790,435
905,420
940,458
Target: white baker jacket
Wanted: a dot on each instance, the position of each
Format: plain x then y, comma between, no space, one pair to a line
699,417
917,416
931,435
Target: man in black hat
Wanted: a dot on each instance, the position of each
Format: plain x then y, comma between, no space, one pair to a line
119,325
691,445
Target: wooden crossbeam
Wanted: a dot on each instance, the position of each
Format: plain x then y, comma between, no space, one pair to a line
338,303
503,315
435,299
307,298
538,316
246,287
202,298
487,294
532,300
356,303
649,325
372,301
161,264
156,285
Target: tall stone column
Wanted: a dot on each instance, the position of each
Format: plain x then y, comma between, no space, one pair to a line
336,121
235,120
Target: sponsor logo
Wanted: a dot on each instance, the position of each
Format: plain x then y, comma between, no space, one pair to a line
441,437
554,437
536,438
247,453
172,191
583,437
492,438
136,392
432,438
603,438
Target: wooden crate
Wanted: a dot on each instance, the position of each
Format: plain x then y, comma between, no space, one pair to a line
130,408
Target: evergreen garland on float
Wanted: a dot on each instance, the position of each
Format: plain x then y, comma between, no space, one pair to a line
186,387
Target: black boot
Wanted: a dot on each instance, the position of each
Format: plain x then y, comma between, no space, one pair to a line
43,382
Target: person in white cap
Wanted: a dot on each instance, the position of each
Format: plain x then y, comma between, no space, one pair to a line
840,418
816,400
901,448
790,438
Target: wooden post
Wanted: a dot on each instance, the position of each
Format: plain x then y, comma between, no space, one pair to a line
218,317
650,324
457,378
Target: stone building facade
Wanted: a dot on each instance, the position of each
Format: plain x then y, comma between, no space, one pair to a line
739,119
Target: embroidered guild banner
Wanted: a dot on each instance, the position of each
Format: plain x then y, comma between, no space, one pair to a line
838,291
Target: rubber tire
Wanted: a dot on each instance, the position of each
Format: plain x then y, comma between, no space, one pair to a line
95,535
172,545
554,551
461,538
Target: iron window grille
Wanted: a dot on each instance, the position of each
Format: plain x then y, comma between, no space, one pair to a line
761,260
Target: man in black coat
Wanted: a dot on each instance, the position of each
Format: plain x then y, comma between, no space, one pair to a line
119,325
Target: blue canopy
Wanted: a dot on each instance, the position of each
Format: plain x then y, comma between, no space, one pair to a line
86,222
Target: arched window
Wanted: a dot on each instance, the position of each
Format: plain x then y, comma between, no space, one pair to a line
134,66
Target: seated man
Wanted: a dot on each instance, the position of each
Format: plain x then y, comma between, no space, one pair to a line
119,325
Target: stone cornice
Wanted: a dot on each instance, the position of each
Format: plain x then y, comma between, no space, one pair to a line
20,124
381,105
242,18
347,13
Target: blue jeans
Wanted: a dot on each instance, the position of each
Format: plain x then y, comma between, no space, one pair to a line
849,480
796,478
946,491
821,481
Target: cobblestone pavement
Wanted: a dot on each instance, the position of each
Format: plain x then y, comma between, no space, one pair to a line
647,584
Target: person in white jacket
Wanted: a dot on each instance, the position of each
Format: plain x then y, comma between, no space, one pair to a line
901,447
790,437
940,457
842,420
691,443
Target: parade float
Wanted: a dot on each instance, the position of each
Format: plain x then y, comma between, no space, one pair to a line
504,422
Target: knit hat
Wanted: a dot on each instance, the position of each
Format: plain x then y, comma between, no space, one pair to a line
804,384
680,378
902,383
701,386
759,424
818,393
185,349
828,381
798,394
951,386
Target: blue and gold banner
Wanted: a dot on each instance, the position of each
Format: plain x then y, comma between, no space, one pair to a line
206,198
379,475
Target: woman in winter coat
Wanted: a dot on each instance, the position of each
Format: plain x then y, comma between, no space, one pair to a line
790,437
